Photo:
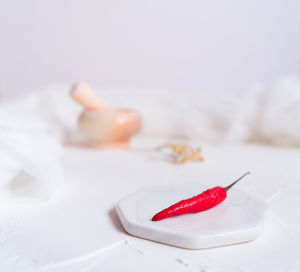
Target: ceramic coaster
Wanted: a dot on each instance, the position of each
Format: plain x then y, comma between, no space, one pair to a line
238,219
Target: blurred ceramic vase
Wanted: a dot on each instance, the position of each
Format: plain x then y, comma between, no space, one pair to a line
103,126
109,128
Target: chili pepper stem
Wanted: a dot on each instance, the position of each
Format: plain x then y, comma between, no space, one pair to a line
229,186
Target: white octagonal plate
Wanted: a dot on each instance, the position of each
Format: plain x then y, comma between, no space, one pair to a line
238,219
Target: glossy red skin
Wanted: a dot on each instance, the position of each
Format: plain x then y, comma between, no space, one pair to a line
198,203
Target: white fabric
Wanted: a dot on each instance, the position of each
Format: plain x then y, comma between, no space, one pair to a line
259,115
29,164
32,127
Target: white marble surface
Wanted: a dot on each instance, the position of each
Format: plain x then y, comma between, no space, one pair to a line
79,230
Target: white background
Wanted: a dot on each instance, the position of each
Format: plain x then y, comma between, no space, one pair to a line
192,45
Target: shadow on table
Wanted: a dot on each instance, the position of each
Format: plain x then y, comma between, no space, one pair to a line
115,220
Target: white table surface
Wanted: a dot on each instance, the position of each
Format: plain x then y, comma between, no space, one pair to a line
79,231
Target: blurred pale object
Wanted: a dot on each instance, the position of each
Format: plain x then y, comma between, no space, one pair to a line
82,93
30,169
103,126
263,114
110,128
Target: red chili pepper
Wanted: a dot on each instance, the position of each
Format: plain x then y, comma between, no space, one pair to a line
198,203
